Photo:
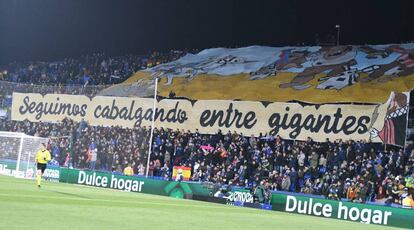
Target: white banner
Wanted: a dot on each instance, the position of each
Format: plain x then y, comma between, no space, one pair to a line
289,120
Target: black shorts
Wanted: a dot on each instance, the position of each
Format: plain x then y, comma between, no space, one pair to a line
41,167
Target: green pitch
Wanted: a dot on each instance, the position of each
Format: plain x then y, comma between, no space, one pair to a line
67,206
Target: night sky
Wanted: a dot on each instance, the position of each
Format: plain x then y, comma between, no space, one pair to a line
54,29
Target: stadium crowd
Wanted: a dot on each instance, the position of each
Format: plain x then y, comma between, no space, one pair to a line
95,69
356,170
87,75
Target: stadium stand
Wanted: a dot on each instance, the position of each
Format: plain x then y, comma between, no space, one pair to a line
361,171
95,69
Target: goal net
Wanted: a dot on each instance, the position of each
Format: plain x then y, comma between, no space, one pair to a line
17,154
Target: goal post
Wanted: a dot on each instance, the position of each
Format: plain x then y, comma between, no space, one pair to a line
17,153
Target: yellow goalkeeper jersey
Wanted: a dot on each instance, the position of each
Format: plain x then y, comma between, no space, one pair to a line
42,157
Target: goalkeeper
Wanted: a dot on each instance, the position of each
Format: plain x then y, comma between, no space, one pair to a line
42,157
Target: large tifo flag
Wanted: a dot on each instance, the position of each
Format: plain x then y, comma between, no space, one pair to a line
185,170
311,74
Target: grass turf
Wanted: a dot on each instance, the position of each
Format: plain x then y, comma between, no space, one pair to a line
68,206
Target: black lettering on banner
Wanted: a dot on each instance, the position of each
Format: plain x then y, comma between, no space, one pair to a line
105,112
323,123
287,119
337,116
204,118
226,123
227,118
274,124
38,110
123,113
75,110
347,125
295,124
148,115
115,109
56,106
62,109
326,123
217,115
309,122
362,124
250,119
82,110
284,120
173,115
131,108
160,115
139,114
182,117
25,107
51,108
96,114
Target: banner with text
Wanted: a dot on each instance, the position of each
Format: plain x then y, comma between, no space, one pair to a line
363,213
380,123
132,183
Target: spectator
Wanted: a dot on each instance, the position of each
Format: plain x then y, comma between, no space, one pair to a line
408,201
95,69
333,192
286,183
165,171
352,191
313,158
129,171
361,194
373,174
93,157
409,181
259,192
